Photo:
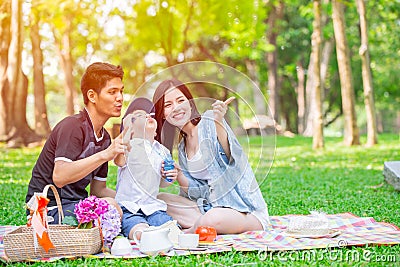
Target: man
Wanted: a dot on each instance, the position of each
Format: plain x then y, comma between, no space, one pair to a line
77,151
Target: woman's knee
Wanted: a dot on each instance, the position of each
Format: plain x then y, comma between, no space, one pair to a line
226,221
211,218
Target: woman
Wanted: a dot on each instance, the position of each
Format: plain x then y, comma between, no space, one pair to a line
217,185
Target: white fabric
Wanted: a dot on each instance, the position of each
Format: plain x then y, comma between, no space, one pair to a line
197,168
100,179
139,180
62,159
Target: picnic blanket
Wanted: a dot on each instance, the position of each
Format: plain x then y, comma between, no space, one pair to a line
350,230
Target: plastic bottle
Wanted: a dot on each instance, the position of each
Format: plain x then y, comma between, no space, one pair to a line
168,165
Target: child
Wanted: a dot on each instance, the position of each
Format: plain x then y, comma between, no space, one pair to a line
140,171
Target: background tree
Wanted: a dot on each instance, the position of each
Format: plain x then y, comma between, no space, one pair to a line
318,134
383,32
327,43
372,137
293,47
42,126
5,22
351,133
64,15
19,132
147,36
275,13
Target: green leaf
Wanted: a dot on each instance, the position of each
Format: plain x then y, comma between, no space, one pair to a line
87,225
70,220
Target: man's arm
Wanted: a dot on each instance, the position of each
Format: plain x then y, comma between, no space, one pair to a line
70,172
99,189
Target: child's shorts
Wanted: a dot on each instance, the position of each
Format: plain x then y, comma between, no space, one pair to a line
129,219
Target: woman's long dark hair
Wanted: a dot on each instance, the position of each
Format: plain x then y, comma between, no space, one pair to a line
166,131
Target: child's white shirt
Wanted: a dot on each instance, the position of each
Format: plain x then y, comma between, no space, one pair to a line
138,181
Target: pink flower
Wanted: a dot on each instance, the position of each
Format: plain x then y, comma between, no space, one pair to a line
90,209
94,210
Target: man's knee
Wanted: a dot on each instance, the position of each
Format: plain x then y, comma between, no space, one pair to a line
113,202
164,196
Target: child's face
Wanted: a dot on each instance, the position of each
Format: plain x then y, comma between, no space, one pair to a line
143,124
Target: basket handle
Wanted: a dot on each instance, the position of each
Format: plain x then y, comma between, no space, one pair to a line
58,201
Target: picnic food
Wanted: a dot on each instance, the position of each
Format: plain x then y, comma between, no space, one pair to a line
206,233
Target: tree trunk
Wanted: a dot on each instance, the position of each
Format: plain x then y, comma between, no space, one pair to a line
5,23
309,91
351,133
372,136
301,105
63,45
275,14
325,57
18,129
42,126
397,120
258,96
310,105
14,61
318,135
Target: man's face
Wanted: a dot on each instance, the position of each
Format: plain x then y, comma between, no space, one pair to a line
109,101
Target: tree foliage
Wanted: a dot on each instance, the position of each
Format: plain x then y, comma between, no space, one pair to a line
146,36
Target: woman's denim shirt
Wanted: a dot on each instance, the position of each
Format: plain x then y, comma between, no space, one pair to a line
233,183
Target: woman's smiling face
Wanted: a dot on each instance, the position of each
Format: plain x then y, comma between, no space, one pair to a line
177,110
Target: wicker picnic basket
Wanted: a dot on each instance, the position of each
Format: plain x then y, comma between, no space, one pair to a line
67,240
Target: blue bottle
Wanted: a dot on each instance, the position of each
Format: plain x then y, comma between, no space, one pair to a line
168,165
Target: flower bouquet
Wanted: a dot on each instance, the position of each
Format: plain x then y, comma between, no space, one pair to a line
93,211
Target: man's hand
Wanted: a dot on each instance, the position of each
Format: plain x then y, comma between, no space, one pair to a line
127,123
117,147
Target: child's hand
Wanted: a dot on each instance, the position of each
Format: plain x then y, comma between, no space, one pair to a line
169,176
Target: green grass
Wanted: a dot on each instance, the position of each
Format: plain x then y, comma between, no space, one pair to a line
334,180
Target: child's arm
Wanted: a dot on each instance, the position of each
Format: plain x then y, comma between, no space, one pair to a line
120,160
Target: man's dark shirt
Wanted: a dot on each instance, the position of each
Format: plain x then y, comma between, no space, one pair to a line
71,139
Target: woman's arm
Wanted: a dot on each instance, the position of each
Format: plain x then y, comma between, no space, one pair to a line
222,136
219,109
182,180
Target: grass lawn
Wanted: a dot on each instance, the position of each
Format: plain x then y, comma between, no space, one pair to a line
334,180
